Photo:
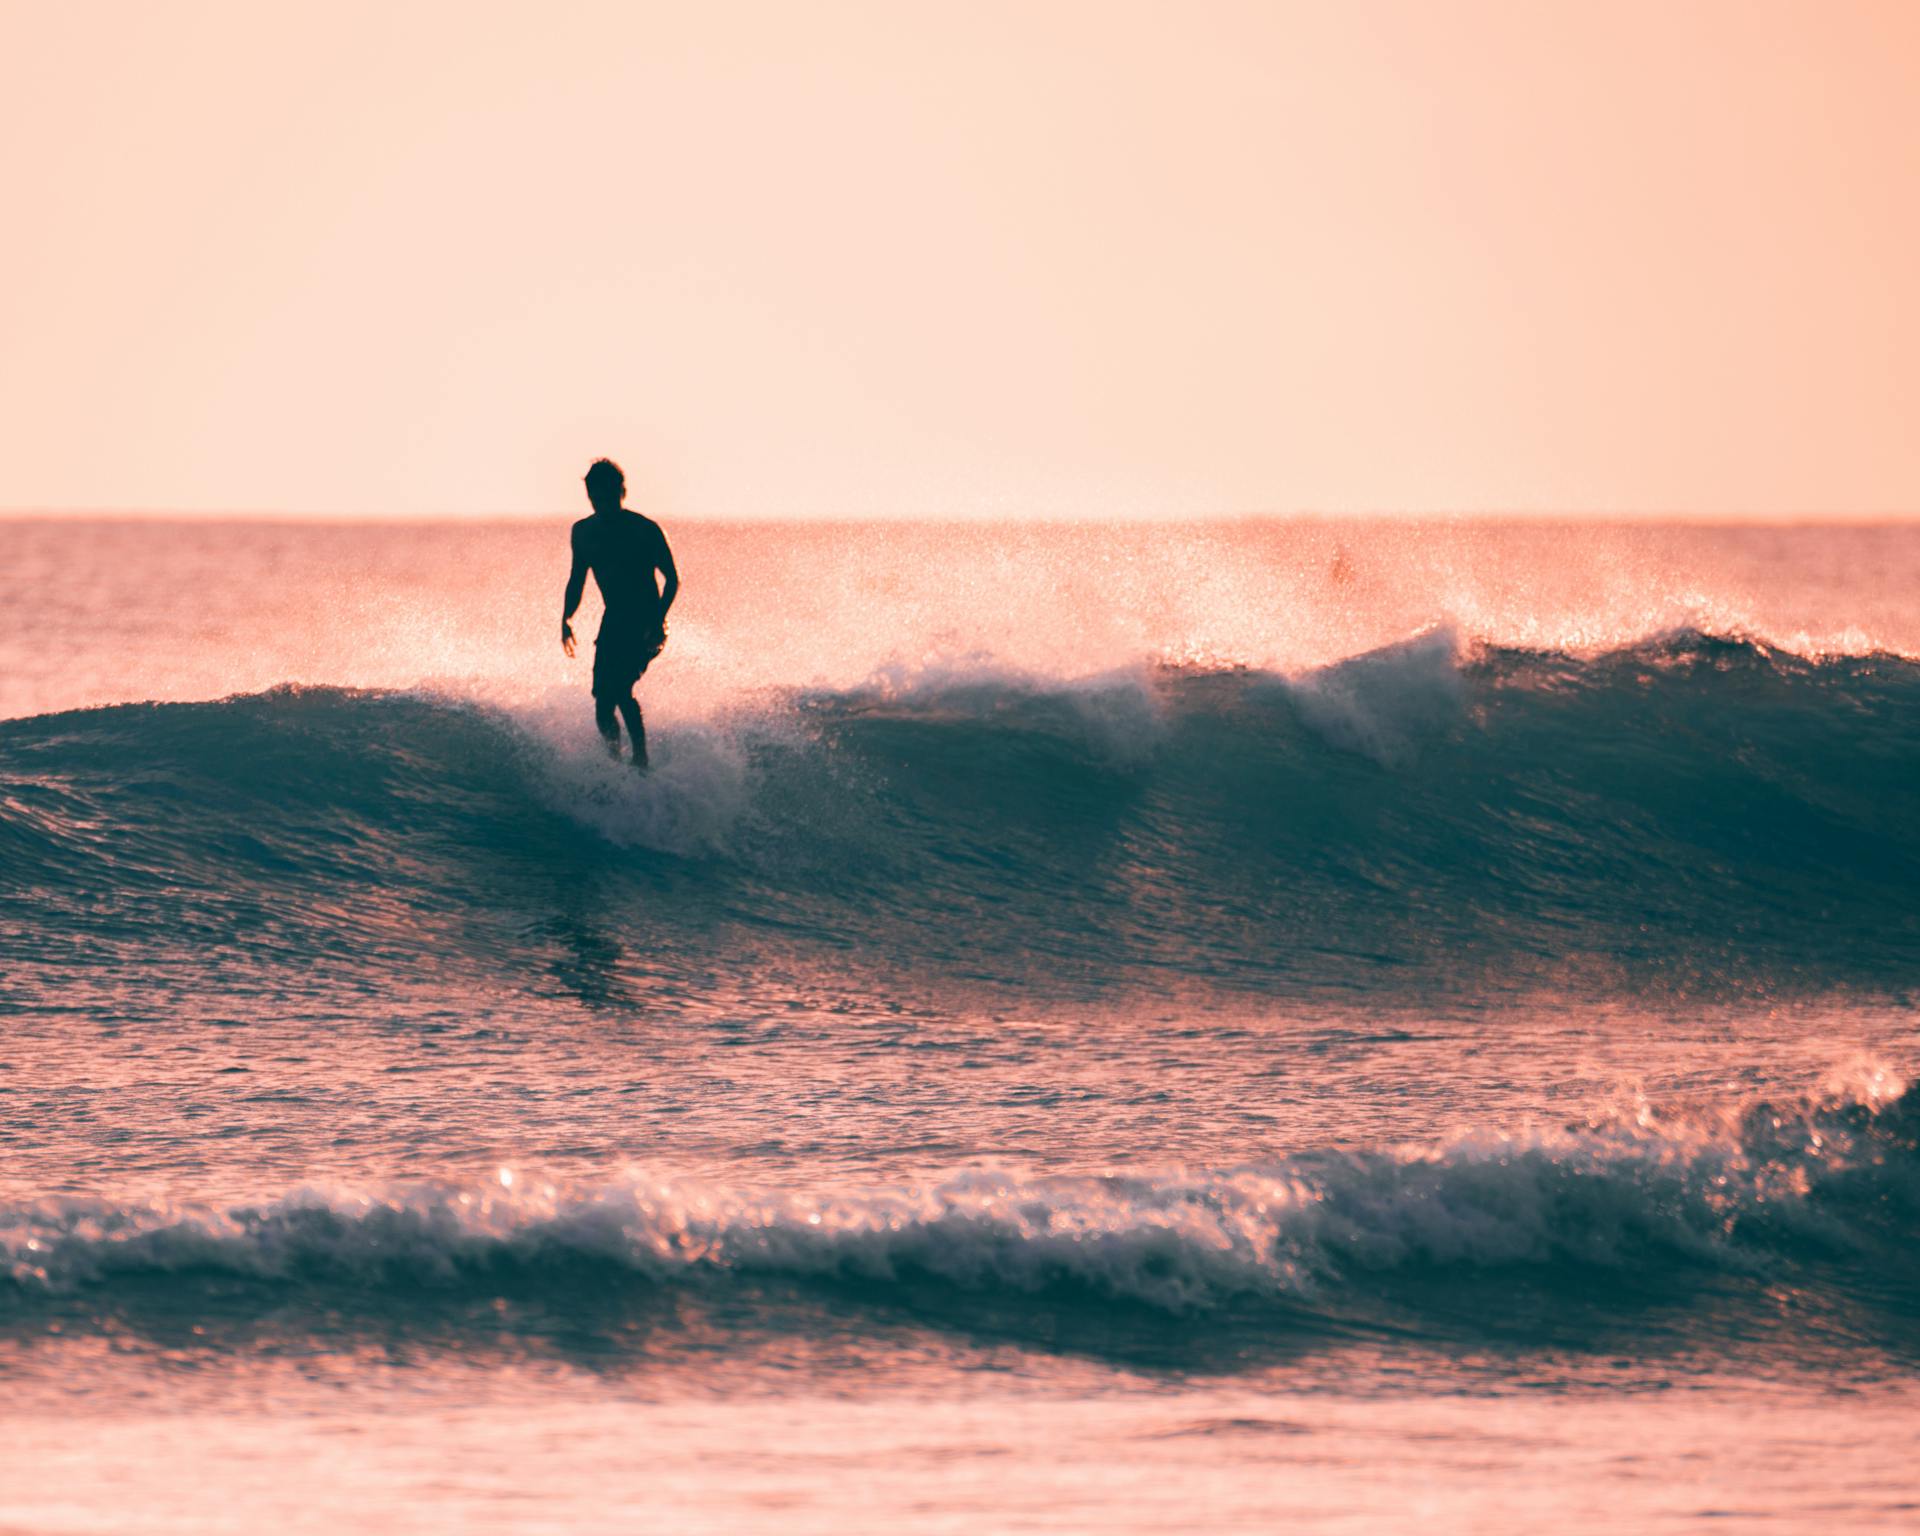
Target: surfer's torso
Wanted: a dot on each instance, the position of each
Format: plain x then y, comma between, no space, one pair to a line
624,550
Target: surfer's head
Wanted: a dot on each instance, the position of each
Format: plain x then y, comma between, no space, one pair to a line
606,486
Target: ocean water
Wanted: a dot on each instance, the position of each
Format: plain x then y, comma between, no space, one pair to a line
1238,1026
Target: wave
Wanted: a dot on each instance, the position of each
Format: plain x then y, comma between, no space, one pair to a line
1821,1195
1695,810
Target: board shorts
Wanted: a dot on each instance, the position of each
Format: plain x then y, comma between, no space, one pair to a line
621,652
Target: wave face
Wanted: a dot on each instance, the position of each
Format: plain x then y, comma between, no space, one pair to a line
1821,1194
1698,811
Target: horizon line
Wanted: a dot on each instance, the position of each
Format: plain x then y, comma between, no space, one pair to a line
1750,518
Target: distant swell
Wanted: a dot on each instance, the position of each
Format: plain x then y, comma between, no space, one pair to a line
1766,1193
1697,811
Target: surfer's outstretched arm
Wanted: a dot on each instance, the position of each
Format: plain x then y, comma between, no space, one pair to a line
576,585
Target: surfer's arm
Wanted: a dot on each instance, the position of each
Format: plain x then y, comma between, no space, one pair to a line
576,585
669,580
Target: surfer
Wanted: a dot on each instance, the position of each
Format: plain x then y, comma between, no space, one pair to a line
624,551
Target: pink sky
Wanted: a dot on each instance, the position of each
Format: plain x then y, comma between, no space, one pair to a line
962,259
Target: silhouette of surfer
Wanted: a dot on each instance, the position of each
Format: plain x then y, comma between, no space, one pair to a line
624,551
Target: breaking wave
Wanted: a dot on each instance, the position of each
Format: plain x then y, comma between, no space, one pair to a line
1698,808
1761,1192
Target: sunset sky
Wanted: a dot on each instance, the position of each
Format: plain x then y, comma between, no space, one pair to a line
961,259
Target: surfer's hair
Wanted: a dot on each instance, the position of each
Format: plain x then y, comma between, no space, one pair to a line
605,479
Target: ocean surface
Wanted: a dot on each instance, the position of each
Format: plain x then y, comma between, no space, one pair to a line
1326,1027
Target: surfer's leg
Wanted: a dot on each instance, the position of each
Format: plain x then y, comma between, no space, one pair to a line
636,729
609,727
